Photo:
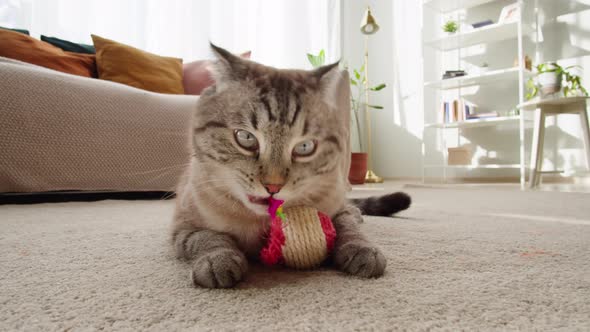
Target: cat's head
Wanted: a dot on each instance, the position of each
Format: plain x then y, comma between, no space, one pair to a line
261,131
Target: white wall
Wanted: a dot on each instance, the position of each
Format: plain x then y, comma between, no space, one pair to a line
567,39
397,128
396,58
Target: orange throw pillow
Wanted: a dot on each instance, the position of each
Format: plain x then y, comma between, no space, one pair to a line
128,65
25,48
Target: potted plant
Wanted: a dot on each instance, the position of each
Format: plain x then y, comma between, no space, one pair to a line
358,164
450,27
358,168
551,77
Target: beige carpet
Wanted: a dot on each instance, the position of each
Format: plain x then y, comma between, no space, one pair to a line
460,259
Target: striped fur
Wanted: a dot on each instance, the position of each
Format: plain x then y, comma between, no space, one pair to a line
385,205
216,225
218,263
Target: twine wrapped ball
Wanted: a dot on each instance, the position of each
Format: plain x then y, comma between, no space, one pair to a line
299,237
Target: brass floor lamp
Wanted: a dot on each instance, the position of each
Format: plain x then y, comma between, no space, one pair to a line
368,27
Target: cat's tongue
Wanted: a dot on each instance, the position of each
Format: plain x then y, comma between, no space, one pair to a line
273,205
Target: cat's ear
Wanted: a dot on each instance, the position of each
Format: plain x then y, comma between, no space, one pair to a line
331,86
227,68
335,89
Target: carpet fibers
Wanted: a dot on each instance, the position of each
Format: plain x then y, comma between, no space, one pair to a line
459,259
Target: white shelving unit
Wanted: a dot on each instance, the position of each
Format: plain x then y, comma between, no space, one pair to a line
481,79
562,6
512,30
509,35
487,34
476,122
488,166
446,6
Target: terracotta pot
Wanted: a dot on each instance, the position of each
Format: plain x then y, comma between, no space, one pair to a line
358,168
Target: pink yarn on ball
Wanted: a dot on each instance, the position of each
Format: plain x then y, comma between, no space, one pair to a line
272,253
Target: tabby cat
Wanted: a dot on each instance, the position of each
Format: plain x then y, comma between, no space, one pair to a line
261,131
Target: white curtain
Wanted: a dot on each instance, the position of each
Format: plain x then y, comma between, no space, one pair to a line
278,32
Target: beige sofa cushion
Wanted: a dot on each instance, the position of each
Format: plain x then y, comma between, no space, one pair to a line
64,132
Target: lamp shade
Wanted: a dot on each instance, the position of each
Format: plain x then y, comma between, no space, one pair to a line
368,25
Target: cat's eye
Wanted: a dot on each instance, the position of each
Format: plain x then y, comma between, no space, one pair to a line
246,139
304,149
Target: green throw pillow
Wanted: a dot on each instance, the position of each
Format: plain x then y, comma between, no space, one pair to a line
68,45
26,32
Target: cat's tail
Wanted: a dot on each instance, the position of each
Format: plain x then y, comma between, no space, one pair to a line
385,205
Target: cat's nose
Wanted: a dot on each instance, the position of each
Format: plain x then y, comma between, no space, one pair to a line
272,188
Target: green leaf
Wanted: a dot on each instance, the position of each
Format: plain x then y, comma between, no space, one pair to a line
377,107
357,75
353,82
573,66
378,87
311,59
530,82
532,89
362,69
550,67
317,60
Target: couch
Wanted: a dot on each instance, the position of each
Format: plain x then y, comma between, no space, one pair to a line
60,132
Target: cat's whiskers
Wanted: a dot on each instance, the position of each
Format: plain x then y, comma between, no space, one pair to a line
167,195
217,180
210,184
226,193
159,169
196,189
174,133
220,184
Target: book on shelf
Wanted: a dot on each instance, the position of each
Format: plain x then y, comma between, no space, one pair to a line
453,73
461,110
482,115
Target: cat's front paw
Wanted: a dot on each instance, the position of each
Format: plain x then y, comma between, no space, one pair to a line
219,269
360,259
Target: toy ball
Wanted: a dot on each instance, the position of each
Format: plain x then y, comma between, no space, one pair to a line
299,237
